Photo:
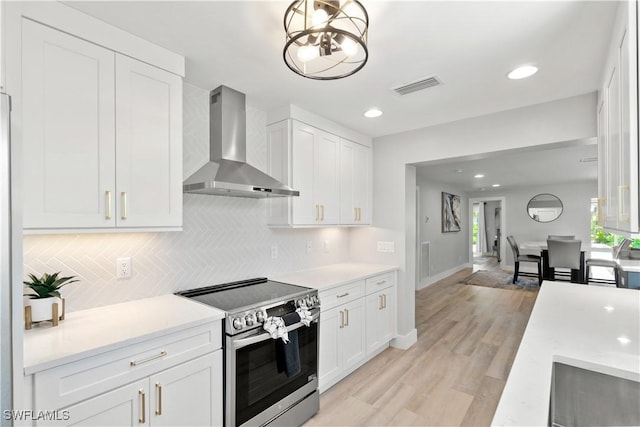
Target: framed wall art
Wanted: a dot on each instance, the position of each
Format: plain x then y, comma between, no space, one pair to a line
451,219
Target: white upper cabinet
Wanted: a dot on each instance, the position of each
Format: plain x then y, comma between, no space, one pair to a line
355,183
68,132
148,145
333,176
102,137
618,186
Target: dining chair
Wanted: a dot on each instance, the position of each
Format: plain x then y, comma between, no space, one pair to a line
517,258
565,253
557,237
608,263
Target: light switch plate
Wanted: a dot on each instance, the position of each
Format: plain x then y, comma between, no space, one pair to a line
389,247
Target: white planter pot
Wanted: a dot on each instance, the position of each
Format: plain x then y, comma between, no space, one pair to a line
41,308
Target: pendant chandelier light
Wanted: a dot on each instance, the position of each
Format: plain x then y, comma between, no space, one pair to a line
326,39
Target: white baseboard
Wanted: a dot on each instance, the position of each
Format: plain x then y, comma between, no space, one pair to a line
404,342
433,279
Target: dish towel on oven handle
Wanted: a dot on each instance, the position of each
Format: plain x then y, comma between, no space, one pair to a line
305,315
276,328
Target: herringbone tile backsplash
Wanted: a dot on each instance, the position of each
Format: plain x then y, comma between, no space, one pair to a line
223,238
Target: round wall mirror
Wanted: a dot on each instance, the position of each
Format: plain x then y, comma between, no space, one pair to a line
544,207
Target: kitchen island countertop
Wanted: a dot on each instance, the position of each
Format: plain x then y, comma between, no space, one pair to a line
89,332
333,275
592,327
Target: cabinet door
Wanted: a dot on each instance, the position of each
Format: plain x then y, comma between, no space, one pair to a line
352,336
325,171
602,161
355,184
149,145
124,406
189,394
68,130
380,318
305,211
613,147
329,366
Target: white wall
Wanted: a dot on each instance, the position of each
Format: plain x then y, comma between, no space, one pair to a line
574,220
562,120
223,238
448,251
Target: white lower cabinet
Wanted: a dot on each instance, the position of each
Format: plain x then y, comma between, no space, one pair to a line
354,326
172,380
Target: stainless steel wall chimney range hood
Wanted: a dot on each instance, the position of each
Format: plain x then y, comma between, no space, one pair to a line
227,173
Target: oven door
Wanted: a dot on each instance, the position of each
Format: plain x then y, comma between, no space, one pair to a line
256,389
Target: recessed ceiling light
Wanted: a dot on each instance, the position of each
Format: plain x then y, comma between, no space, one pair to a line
496,185
624,340
373,113
522,72
609,308
478,175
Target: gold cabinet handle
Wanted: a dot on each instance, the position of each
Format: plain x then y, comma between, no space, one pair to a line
341,319
148,359
601,201
384,300
346,315
380,302
143,417
342,295
621,217
355,214
123,198
107,195
159,393
317,212
359,215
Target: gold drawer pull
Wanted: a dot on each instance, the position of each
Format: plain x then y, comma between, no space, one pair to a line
148,359
381,282
341,319
343,295
143,415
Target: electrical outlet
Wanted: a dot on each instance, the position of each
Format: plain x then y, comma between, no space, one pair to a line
386,247
123,268
309,246
325,246
274,252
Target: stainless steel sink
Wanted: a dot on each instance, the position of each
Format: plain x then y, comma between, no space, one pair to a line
584,397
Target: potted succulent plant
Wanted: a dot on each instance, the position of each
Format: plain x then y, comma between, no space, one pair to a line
45,293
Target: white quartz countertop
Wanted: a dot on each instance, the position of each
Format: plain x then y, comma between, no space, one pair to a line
88,332
592,327
334,275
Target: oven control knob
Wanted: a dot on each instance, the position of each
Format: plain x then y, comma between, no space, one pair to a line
238,323
316,300
300,303
250,319
260,316
308,301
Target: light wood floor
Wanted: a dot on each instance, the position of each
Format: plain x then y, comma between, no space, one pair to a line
454,375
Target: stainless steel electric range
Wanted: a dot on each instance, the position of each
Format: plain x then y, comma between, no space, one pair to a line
267,382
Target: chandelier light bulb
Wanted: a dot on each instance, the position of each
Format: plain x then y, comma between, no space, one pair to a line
319,18
349,47
307,53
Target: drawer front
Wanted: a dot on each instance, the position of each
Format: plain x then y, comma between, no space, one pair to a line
342,294
381,281
70,383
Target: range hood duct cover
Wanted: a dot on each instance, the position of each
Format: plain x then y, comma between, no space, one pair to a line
227,173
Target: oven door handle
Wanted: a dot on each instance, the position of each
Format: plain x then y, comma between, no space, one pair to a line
238,344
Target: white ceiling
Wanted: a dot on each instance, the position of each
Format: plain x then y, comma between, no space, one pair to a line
560,163
471,46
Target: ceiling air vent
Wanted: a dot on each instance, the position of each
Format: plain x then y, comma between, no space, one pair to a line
424,83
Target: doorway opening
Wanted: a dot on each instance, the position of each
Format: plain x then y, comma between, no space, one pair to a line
487,233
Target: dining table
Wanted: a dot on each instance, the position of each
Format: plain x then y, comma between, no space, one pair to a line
548,273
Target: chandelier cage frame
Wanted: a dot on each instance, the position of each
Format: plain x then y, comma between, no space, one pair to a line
342,23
